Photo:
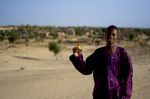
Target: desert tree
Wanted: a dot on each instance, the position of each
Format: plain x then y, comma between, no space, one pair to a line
2,35
13,35
54,47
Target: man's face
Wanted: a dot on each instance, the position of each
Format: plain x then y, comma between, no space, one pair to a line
111,37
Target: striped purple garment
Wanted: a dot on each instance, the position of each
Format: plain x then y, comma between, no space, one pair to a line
112,73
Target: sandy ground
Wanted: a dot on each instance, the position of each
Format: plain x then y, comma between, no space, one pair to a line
44,77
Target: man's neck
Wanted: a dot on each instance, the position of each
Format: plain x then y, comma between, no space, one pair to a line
110,49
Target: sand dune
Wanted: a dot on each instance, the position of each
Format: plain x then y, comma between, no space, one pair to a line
34,73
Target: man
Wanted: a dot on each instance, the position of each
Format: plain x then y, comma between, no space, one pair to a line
111,67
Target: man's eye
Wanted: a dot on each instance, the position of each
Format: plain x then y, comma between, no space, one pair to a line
113,34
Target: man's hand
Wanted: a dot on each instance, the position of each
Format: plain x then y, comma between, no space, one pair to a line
76,51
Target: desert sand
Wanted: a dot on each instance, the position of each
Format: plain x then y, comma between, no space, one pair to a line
34,73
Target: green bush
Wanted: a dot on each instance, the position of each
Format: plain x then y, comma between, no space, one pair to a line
13,36
2,36
55,47
55,35
132,36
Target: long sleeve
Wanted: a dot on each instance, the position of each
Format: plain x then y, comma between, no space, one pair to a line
82,66
127,73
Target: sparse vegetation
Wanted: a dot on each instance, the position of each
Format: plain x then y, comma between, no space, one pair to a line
67,34
22,68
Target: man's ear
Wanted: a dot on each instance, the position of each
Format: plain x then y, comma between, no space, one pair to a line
105,35
118,34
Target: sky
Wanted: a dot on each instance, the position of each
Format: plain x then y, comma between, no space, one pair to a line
122,13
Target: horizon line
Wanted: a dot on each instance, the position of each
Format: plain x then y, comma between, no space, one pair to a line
72,25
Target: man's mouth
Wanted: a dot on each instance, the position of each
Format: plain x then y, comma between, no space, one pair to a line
111,40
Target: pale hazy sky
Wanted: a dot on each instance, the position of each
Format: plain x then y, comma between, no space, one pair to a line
123,13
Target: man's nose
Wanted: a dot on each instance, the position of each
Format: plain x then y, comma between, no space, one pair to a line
110,36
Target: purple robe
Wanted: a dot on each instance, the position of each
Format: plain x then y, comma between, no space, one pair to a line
112,73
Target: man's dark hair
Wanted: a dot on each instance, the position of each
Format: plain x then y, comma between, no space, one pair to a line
110,28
